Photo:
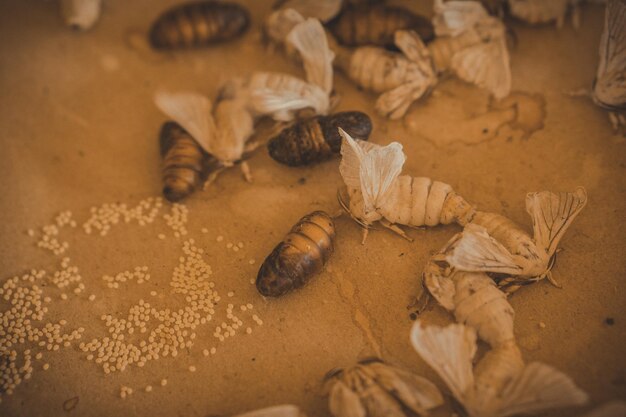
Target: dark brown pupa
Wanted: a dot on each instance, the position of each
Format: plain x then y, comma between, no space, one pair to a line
317,139
301,254
377,25
198,24
184,162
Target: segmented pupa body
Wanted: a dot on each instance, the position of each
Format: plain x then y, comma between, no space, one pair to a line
545,11
198,24
184,162
501,384
377,193
377,24
300,255
317,139
402,78
376,389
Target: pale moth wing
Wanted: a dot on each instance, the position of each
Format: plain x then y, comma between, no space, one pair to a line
309,39
485,65
552,215
377,401
610,86
455,17
611,409
351,156
81,14
192,111
379,169
395,103
441,288
537,388
413,48
343,402
323,10
449,351
477,251
280,23
286,410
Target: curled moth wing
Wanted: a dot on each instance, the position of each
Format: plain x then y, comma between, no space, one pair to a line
343,402
455,17
192,111
486,65
379,169
610,85
449,351
539,387
309,38
324,10
286,410
477,251
351,156
553,214
395,102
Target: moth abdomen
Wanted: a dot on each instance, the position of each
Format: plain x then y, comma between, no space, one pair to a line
301,254
377,25
317,139
183,162
198,24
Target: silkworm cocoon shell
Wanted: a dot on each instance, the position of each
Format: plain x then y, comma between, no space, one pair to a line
301,254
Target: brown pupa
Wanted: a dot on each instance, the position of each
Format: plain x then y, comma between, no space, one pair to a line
317,139
301,254
198,24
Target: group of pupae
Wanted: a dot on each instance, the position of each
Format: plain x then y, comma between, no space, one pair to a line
401,56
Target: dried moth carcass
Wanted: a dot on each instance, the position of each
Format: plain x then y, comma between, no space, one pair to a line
471,44
375,389
609,89
316,139
198,24
286,410
492,243
400,78
376,192
81,14
545,11
501,384
223,131
281,96
377,24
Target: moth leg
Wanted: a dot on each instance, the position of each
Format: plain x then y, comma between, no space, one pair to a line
552,280
364,234
212,177
245,170
395,229
614,121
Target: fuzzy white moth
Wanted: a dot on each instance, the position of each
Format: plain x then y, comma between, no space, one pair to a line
281,95
286,410
609,90
378,193
401,78
492,243
545,11
81,14
471,44
501,384
375,389
222,132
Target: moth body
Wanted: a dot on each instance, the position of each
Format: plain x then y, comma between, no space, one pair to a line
443,49
377,25
301,254
317,139
198,24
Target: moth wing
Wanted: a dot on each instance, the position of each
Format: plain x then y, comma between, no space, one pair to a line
309,39
81,14
441,288
192,111
286,410
351,156
449,351
395,103
486,65
280,103
344,402
413,47
413,391
611,409
324,10
455,17
537,388
379,169
610,85
477,251
553,214
377,401
280,22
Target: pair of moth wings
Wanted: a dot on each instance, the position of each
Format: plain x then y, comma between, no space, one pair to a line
485,64
610,85
535,387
